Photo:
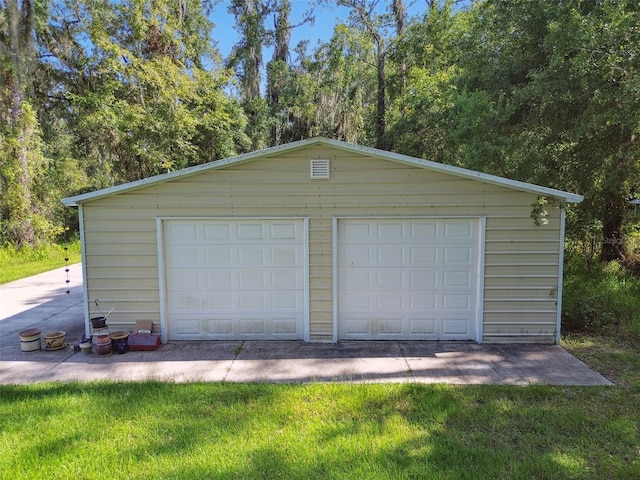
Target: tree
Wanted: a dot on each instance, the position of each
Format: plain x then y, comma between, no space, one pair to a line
280,75
422,89
144,103
400,16
363,15
554,84
282,36
332,98
21,157
247,54
598,46
246,59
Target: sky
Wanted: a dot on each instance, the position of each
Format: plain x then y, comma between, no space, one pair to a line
325,19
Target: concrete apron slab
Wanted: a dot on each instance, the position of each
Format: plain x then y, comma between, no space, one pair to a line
299,362
41,301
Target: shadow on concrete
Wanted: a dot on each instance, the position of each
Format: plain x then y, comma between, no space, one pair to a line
299,362
259,361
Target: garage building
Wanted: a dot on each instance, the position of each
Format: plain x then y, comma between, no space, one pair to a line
321,240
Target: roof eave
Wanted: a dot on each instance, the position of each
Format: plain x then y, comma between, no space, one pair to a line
186,172
462,172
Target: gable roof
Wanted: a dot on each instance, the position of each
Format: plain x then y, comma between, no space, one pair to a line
349,147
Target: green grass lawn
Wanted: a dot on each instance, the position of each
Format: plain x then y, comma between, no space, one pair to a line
337,431
16,264
341,431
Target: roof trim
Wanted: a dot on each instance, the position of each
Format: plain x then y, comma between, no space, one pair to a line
394,157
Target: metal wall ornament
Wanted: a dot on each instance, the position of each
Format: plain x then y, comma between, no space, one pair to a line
66,262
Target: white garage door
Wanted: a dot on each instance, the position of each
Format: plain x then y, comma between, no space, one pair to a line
234,279
407,279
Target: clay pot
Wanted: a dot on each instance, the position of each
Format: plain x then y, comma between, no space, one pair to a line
120,341
54,340
103,345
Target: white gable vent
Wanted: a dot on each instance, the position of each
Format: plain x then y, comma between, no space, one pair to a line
320,168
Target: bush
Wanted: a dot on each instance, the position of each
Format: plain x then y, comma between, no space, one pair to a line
600,298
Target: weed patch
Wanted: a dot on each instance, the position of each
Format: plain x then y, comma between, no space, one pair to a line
600,299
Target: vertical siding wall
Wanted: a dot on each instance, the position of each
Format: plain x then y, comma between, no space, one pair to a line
520,261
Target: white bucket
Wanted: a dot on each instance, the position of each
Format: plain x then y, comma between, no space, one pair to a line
86,347
30,340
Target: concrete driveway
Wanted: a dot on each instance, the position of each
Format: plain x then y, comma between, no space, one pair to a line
41,302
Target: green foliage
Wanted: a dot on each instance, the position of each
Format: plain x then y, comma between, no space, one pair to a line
420,120
118,92
560,101
324,95
539,212
31,183
17,263
423,90
600,299
152,107
338,100
543,92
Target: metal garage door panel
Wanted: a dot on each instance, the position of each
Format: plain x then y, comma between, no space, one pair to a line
234,279
407,278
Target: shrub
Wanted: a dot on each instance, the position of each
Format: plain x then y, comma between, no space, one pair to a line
600,298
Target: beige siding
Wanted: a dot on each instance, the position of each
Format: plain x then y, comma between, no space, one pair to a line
521,279
321,280
520,258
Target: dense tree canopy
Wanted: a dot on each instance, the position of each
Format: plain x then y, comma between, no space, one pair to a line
95,93
558,92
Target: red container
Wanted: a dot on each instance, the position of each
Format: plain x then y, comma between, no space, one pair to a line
144,341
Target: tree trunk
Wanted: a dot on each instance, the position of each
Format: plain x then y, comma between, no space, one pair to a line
17,45
615,203
612,239
23,228
381,105
363,11
275,79
400,13
249,17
